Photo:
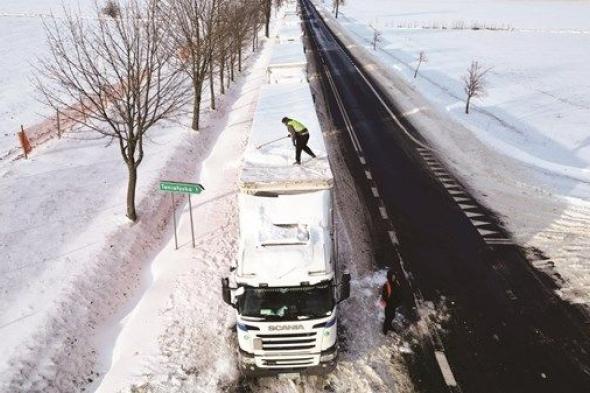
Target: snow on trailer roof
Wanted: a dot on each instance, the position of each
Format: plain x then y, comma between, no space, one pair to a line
282,245
291,19
290,33
288,64
287,53
270,167
291,8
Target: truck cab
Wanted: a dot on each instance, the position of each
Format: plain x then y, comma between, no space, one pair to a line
284,285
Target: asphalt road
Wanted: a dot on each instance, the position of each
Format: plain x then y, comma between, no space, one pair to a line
506,331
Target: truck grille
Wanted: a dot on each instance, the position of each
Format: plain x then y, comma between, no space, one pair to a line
288,342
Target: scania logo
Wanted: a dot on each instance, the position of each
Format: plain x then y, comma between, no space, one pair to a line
273,328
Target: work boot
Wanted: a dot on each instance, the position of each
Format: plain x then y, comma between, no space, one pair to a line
297,163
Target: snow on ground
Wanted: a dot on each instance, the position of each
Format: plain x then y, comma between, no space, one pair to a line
177,337
70,257
69,254
22,41
525,148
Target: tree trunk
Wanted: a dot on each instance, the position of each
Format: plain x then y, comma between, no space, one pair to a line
337,7
232,62
416,72
267,18
131,183
240,59
197,104
212,84
467,104
221,75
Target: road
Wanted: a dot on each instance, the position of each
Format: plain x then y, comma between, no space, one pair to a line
505,330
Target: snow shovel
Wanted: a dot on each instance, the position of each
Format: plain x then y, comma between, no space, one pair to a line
273,141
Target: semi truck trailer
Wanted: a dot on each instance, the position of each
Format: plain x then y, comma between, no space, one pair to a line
285,284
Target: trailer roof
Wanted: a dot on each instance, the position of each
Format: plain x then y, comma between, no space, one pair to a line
291,18
285,240
270,167
287,53
290,32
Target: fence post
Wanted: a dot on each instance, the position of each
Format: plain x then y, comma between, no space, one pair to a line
58,125
24,141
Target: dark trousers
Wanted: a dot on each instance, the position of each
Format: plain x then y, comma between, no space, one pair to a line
301,145
389,317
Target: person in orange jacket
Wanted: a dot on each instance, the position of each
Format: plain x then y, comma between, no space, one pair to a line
390,300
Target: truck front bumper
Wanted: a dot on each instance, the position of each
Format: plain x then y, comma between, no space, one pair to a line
327,364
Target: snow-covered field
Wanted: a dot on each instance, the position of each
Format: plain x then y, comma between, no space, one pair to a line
525,147
22,41
69,256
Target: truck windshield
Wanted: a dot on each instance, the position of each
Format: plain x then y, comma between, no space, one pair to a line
287,303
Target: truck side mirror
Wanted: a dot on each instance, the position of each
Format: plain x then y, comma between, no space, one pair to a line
226,291
344,287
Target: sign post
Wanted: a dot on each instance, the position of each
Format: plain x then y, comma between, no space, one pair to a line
174,218
182,188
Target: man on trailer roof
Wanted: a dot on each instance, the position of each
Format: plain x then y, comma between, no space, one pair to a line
300,136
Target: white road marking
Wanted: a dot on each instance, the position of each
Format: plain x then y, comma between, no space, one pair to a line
393,116
362,160
368,174
506,242
443,363
456,192
347,122
478,223
472,214
461,199
383,213
375,192
393,238
486,232
465,206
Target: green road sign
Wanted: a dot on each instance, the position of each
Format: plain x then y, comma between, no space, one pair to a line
180,187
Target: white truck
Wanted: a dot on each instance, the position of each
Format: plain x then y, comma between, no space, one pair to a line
284,284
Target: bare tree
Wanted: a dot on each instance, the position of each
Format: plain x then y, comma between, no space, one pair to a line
421,59
474,82
336,7
113,76
193,23
377,38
